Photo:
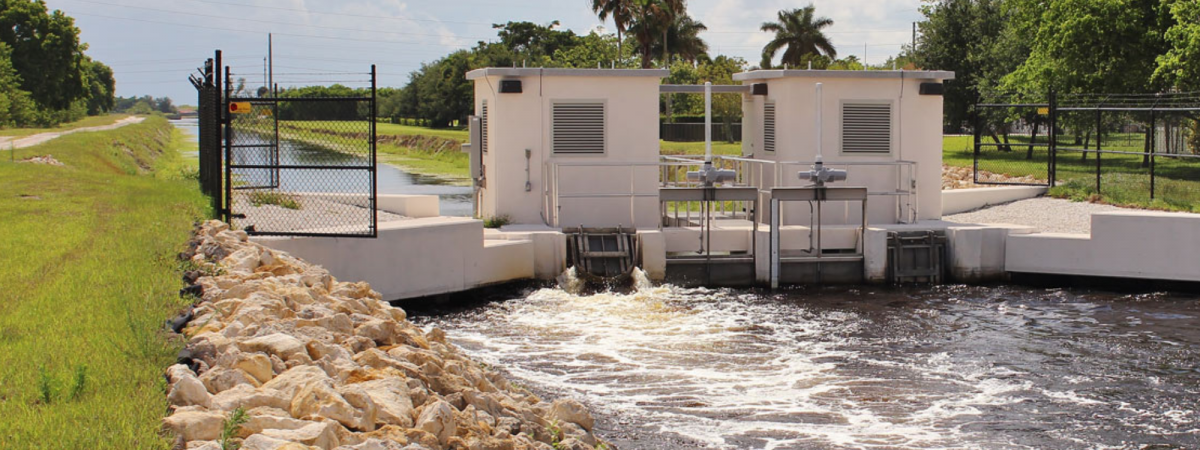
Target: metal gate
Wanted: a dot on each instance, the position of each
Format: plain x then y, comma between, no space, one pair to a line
1022,151
299,165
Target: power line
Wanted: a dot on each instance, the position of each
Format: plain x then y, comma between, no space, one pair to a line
290,24
235,30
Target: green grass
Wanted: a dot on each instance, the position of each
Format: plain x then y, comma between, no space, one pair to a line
1124,181
90,121
87,276
259,198
697,148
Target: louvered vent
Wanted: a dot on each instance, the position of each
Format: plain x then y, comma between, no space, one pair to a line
769,127
483,123
866,128
578,128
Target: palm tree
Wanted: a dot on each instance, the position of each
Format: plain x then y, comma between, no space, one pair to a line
650,20
619,10
683,40
800,32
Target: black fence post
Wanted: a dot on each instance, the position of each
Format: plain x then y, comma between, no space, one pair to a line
228,140
1153,138
1053,149
374,163
1099,126
978,144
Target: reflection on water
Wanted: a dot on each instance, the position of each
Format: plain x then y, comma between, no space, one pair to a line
455,199
945,367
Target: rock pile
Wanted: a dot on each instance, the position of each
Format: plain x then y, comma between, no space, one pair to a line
314,363
964,178
47,160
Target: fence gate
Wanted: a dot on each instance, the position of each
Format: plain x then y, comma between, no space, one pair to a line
300,166
1021,151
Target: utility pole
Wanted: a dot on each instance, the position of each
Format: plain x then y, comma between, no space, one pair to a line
913,50
271,65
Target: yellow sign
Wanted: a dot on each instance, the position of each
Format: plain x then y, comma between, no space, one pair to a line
240,108
1043,111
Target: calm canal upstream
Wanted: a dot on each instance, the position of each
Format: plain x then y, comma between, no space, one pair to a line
455,197
868,367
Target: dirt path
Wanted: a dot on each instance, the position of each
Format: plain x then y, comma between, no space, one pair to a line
32,140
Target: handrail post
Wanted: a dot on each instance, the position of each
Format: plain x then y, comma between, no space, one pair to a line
1153,142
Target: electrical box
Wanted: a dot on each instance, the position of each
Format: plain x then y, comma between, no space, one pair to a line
510,86
933,89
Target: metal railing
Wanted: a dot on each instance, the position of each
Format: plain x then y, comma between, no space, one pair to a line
758,173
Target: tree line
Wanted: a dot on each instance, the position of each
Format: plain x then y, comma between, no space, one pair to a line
45,77
1022,49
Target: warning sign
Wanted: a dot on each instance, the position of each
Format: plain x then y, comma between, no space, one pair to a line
1043,111
240,108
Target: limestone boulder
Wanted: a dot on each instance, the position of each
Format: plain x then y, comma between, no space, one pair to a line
282,345
316,434
391,397
438,419
187,390
195,425
567,410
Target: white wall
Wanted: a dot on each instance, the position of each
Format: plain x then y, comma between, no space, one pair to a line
1125,244
523,121
916,136
962,200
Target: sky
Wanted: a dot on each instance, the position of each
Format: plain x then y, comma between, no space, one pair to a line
152,45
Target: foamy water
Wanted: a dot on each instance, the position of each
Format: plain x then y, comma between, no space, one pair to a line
949,367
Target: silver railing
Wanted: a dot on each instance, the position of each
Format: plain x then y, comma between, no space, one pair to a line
758,173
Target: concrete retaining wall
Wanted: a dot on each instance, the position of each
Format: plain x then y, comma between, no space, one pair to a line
963,200
1126,244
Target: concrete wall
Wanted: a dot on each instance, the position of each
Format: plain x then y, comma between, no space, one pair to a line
518,122
418,257
916,136
413,206
1125,244
962,200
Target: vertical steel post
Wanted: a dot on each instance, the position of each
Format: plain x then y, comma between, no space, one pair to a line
374,171
228,138
1053,149
978,144
219,204
1153,143
1099,126
774,256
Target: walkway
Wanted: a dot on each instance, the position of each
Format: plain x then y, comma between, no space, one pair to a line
8,142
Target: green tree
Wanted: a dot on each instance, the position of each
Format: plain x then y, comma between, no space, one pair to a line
650,21
46,51
1179,67
619,10
799,33
101,87
683,40
16,108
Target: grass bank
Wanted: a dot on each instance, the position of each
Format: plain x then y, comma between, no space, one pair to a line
90,121
1124,182
87,276
437,157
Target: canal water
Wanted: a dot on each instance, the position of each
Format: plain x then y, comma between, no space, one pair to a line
454,195
847,368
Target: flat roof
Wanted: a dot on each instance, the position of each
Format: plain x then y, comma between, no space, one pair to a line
551,72
876,74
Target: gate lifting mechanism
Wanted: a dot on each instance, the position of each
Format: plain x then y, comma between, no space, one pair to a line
815,194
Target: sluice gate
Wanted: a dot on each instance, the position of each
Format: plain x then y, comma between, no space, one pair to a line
602,253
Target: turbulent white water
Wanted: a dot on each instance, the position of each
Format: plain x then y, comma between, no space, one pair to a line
737,369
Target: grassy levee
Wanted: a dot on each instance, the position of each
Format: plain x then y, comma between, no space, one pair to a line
1124,181
447,160
88,274
90,121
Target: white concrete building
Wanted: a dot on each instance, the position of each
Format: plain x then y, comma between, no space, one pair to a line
883,127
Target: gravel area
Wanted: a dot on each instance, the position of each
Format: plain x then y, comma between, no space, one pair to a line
315,213
1048,215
